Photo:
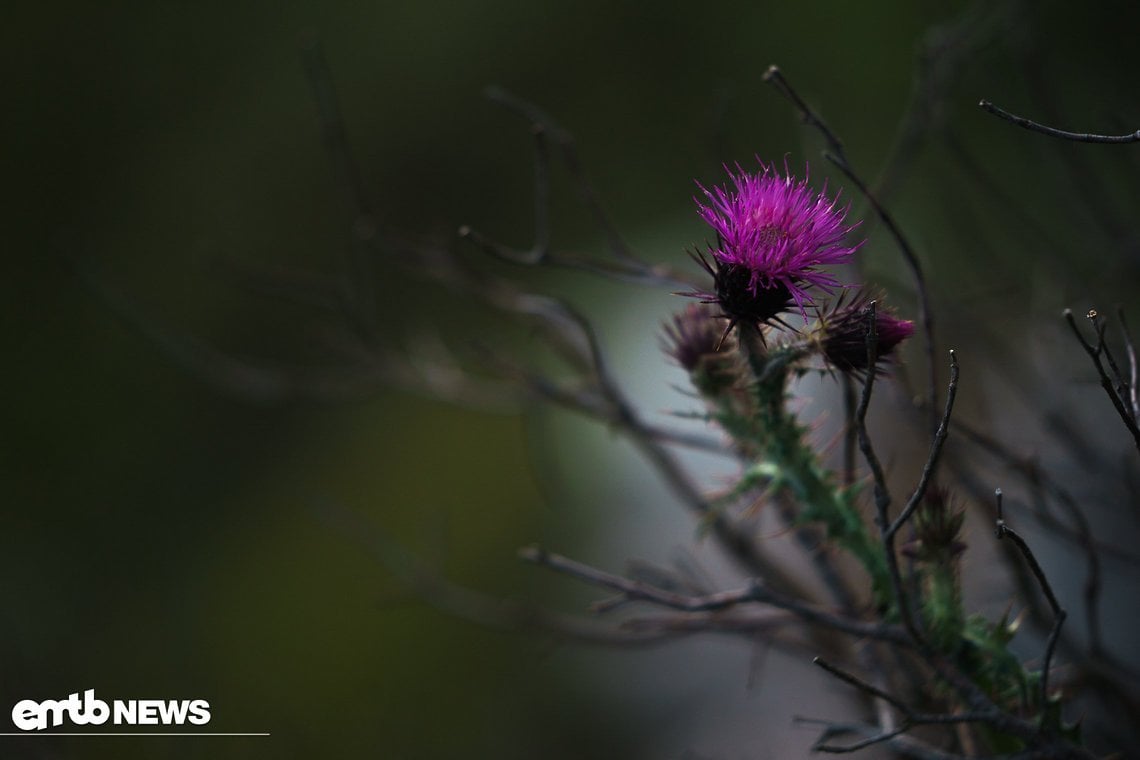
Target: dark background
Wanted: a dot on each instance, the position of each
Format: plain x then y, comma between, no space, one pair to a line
160,537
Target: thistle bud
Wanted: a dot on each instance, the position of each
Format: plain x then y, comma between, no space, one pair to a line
698,342
936,549
842,334
937,524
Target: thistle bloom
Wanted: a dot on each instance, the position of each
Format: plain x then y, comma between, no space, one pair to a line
842,333
773,233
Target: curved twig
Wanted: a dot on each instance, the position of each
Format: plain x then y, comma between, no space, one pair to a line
1034,126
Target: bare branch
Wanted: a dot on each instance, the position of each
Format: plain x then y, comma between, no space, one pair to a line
565,141
926,313
540,250
635,589
1094,353
1059,615
859,683
624,266
882,494
1034,126
754,592
1133,376
912,718
458,601
900,744
935,450
1037,477
775,77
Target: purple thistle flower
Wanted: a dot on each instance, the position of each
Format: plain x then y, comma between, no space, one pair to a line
842,333
773,233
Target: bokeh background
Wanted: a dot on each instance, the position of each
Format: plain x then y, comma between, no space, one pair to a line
164,537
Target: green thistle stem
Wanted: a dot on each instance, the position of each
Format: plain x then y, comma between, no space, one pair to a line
942,606
779,441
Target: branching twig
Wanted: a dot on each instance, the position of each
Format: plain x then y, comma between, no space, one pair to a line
754,592
1094,353
1099,326
624,266
458,601
565,142
910,717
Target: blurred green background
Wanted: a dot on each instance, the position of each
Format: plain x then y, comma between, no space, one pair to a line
159,537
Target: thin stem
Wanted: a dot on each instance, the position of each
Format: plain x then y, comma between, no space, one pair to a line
1004,531
1034,126
935,450
926,314
1122,390
881,492
775,77
882,495
843,749
1130,348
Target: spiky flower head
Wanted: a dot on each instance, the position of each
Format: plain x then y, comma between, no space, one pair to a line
697,341
773,234
692,335
842,332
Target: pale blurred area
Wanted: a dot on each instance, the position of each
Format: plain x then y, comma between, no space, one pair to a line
166,538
